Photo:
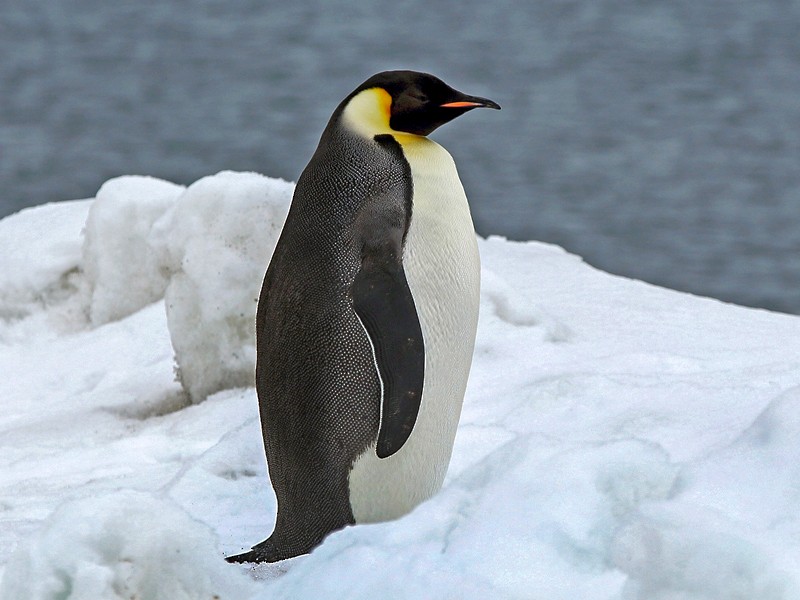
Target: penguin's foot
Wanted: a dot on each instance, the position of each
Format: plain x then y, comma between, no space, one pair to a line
245,557
266,551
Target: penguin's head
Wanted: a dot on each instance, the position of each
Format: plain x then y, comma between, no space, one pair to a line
407,102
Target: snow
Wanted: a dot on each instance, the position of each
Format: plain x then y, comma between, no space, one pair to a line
44,237
619,441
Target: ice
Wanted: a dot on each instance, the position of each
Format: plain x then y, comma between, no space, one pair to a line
619,441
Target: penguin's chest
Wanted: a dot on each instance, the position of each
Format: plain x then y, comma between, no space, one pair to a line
442,267
441,254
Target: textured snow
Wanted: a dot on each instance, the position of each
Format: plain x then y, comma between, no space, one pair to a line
619,441
114,547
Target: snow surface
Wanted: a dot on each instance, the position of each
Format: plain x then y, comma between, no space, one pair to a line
618,440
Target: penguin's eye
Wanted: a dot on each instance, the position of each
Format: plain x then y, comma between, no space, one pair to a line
409,101
418,97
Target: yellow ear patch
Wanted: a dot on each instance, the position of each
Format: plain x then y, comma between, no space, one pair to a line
368,112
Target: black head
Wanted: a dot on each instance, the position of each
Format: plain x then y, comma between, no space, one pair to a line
421,102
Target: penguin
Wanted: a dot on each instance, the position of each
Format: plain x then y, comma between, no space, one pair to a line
367,317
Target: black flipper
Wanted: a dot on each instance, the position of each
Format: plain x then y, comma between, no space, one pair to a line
383,302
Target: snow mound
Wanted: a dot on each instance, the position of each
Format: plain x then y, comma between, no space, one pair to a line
219,237
123,266
204,249
41,250
122,546
719,540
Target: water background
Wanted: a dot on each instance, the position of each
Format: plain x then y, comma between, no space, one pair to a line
659,140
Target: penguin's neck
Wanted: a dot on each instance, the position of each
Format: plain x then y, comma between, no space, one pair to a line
368,112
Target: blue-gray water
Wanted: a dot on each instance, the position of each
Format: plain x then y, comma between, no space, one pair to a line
660,140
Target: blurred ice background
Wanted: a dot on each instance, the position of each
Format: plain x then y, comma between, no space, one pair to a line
658,140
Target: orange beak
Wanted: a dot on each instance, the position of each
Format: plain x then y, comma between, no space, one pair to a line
461,104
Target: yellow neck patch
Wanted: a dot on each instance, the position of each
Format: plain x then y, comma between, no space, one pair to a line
368,114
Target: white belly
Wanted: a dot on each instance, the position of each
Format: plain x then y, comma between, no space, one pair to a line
443,270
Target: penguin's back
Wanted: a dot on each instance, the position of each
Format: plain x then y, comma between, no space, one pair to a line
319,391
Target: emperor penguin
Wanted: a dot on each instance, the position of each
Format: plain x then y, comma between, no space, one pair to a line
367,317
